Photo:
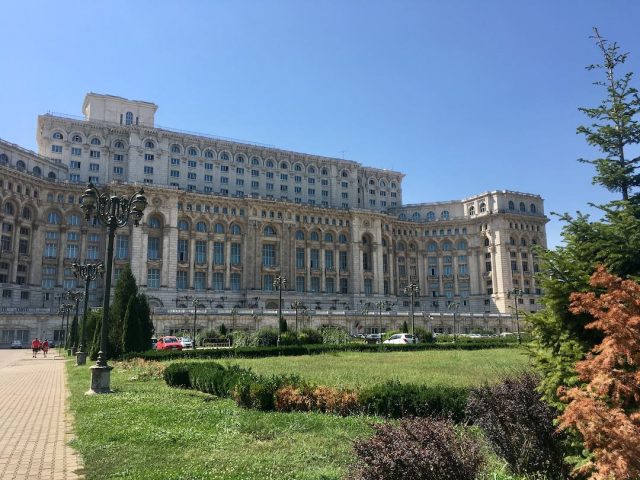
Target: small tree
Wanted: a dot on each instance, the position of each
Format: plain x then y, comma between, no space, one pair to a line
222,330
283,325
405,327
137,328
125,288
605,409
73,332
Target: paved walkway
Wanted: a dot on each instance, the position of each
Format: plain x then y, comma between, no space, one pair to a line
35,428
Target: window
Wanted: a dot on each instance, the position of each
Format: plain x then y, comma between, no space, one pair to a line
94,154
148,170
74,164
235,282
218,228
328,259
149,144
343,261
269,231
118,170
522,207
200,280
300,258
201,252
73,219
235,229
122,247
267,283
315,258
153,222
218,253
53,218
300,284
368,286
191,175
218,281
153,248
153,278
315,284
269,255
236,258
175,161
192,151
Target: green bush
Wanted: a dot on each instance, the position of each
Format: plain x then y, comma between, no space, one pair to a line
394,399
177,375
288,338
423,335
310,336
335,335
265,337
259,392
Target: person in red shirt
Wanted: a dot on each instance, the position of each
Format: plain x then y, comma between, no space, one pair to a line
35,346
45,347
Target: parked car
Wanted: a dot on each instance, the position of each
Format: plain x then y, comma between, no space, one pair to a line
168,343
373,338
186,342
401,339
154,342
16,344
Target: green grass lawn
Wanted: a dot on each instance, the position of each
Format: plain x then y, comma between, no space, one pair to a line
435,367
147,430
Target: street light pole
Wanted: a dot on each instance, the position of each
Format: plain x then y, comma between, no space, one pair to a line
454,306
76,297
413,290
64,310
279,283
297,304
113,212
87,272
380,304
517,294
195,319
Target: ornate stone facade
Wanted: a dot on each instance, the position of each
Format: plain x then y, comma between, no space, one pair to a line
216,228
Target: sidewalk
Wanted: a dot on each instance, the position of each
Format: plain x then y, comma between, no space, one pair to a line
34,424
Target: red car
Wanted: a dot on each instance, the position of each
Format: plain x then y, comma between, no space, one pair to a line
168,343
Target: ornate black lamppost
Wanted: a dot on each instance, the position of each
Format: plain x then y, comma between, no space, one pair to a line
454,306
517,295
113,212
412,289
279,283
75,297
87,272
195,302
297,305
63,310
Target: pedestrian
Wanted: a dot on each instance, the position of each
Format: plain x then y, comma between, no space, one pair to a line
45,347
35,346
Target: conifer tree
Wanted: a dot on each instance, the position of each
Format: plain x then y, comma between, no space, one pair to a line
125,288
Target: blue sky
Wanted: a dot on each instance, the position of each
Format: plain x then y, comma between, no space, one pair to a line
461,96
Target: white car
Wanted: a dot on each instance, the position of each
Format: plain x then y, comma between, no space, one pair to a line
186,342
16,344
401,339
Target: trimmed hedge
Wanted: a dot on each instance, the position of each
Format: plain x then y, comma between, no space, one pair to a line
207,377
291,350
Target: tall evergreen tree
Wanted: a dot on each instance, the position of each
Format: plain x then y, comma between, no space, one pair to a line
125,288
137,328
615,124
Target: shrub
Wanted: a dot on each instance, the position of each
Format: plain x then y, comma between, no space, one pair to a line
334,335
259,392
316,398
423,335
519,425
396,400
177,375
288,338
265,337
405,327
309,336
419,449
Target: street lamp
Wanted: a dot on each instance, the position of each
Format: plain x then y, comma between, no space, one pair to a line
63,310
517,295
75,297
279,283
87,272
412,289
380,304
297,305
113,212
454,306
195,301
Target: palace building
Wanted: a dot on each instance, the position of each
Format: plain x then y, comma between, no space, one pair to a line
226,217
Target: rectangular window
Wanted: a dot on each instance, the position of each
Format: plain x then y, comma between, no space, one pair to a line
175,173
94,154
328,260
297,189
368,286
208,166
208,178
239,182
224,168
315,284
148,170
224,180
76,151
329,285
175,161
325,193
118,170
94,167
269,186
148,157
74,177
299,257
181,280
153,278
236,258
183,250
93,179
51,250
191,175
297,179
268,255
74,164
343,262
269,174
118,157
240,171
153,248
200,280
122,247
315,258
218,281
191,164
218,253
92,252
344,285
56,148
283,188
235,282
311,191
300,284
201,252
23,247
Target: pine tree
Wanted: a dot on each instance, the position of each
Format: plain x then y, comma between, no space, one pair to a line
73,334
137,327
125,288
615,125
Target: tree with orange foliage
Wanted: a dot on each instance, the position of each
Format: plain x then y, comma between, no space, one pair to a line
605,409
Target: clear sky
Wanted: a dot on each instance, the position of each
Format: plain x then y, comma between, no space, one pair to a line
462,96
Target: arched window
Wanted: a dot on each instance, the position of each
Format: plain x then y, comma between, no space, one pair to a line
297,167
57,136
446,246
149,144
393,185
432,247
269,164
344,174
299,235
511,205
444,215
400,247
342,238
328,238
51,176
95,141
325,171
486,242
3,159
240,158
183,225
118,144
20,165
235,229
53,218
383,183
175,148
314,236
269,231
76,138
372,182
128,118
312,170
284,165
224,156
201,227
523,208
431,216
218,228
472,210
73,219
9,208
483,207
402,216
26,213
416,216
37,171
208,154
192,151
532,208
153,222
462,245
255,161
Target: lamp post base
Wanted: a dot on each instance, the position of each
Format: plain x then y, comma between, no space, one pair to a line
81,358
100,380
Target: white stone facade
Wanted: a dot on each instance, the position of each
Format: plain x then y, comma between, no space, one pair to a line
224,218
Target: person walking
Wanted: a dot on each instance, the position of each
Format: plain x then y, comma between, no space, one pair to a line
35,346
45,347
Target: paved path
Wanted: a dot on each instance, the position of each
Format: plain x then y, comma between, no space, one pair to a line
35,429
